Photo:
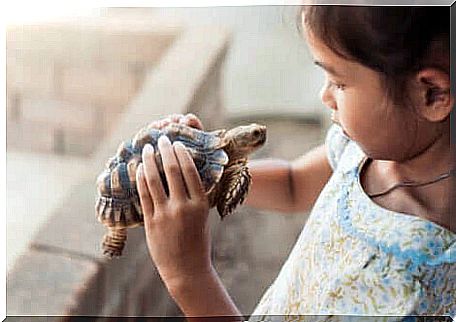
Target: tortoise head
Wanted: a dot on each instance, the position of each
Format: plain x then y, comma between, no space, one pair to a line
243,140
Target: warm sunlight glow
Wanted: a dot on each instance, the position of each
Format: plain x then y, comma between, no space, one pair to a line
34,12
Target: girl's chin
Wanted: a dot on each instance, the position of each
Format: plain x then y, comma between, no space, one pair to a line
342,128
345,133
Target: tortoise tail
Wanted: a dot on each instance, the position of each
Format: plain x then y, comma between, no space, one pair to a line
114,242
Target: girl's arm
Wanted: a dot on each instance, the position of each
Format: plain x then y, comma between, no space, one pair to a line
288,186
204,296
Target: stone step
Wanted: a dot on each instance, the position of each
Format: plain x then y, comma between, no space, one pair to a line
61,114
112,87
37,79
47,138
99,86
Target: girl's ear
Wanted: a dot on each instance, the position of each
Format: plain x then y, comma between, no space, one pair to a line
434,96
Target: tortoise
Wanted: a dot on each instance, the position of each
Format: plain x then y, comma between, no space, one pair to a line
221,160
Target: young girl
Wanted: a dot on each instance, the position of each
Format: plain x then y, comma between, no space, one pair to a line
380,239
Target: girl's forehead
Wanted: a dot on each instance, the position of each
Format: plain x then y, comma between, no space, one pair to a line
323,55
320,51
332,63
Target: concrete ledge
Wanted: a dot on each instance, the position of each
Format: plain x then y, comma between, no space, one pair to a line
43,283
73,229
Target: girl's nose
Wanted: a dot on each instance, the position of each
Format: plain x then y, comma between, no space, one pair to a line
327,97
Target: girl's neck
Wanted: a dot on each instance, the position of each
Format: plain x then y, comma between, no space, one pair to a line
431,202
432,161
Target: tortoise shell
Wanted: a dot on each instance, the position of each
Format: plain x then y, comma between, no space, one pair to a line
219,156
118,202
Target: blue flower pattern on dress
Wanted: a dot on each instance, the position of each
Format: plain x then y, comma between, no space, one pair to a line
355,257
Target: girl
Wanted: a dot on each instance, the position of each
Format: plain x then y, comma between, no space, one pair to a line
380,238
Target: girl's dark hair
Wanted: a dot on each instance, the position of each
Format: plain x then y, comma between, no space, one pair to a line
395,41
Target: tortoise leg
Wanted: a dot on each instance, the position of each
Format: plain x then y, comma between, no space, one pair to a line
114,242
237,182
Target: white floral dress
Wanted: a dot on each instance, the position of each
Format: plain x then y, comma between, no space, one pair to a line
354,257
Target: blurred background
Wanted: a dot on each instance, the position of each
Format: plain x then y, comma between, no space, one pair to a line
77,85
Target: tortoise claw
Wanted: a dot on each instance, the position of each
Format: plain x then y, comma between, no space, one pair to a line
238,184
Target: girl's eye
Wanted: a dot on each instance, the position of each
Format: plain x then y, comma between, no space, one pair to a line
337,85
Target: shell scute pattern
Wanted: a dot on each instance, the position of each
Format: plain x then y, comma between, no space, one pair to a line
219,156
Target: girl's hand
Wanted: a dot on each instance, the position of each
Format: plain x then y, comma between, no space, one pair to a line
176,226
188,119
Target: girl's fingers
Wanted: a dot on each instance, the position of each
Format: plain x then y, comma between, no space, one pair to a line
172,169
144,196
175,118
191,176
191,120
152,175
164,123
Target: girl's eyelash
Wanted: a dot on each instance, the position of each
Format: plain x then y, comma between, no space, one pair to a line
337,85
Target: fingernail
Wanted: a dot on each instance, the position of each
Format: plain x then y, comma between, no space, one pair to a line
179,144
163,140
148,149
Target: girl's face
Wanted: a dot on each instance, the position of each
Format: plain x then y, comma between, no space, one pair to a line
360,106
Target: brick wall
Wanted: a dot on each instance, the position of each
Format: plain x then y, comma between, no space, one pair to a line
68,82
